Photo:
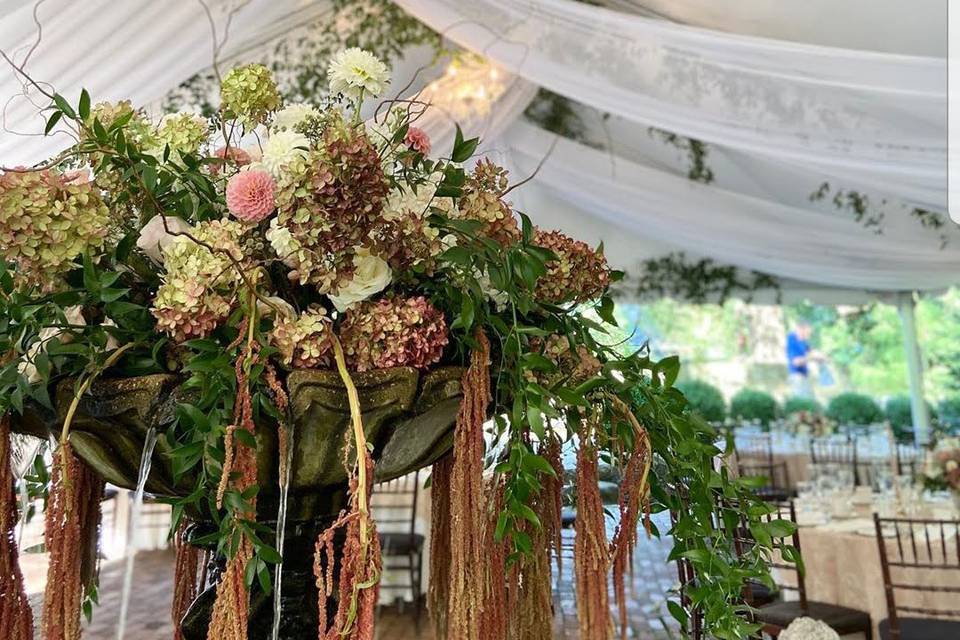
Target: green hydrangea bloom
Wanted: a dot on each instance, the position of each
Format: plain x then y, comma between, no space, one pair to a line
249,93
183,131
46,222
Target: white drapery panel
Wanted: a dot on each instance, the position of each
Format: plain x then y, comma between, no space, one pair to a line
822,247
135,49
914,27
866,118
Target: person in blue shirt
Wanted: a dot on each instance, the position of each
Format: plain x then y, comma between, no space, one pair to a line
799,357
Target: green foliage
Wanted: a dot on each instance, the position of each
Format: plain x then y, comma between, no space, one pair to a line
900,416
701,281
705,399
948,412
854,408
796,405
750,404
687,482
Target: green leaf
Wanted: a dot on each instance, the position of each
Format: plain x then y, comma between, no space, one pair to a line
64,106
84,107
52,122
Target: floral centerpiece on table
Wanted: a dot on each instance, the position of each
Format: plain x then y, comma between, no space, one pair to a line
272,237
941,467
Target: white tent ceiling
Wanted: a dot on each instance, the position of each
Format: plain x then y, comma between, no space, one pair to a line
783,117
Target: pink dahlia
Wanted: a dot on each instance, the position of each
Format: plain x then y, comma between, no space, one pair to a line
230,155
250,195
418,140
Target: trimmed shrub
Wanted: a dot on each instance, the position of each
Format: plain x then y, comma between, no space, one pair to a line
704,399
854,408
796,405
749,404
948,413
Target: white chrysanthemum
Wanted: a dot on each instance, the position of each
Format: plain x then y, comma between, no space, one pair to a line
292,115
284,244
282,148
355,71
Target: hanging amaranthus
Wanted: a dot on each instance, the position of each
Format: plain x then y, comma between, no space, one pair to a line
468,557
551,513
633,499
70,536
591,557
497,598
186,583
531,581
439,588
231,608
16,618
360,565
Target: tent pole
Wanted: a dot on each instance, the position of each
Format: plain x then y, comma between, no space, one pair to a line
918,406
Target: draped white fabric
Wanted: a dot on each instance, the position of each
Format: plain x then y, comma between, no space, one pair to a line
866,118
914,27
639,201
135,49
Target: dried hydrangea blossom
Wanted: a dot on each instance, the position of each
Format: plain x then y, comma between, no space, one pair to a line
574,366
329,202
197,290
249,93
404,237
483,200
304,341
578,274
393,332
45,223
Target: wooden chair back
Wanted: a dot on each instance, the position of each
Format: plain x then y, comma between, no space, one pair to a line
909,460
830,451
754,449
915,556
744,541
777,475
394,504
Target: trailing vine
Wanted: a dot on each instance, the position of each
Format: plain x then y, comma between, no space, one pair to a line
698,282
299,61
865,212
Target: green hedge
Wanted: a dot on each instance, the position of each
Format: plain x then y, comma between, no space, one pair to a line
854,408
705,399
796,405
749,404
948,413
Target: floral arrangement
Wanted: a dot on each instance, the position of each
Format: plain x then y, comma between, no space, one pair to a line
809,629
229,250
942,466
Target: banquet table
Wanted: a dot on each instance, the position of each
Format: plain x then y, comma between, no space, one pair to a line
843,567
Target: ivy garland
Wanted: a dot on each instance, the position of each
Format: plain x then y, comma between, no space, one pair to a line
299,63
700,282
860,207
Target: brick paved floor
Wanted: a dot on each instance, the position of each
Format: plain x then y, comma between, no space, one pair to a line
149,617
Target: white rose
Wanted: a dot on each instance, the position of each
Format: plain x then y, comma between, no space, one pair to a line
155,237
284,244
951,465
372,275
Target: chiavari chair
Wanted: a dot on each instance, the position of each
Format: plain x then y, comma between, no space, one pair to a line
909,459
829,451
777,479
777,616
394,504
917,557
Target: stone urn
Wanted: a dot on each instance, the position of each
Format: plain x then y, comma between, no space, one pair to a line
408,417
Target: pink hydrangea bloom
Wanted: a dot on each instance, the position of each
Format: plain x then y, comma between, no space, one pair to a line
251,195
418,140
